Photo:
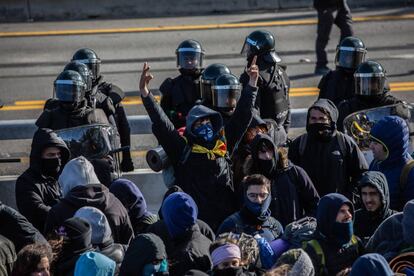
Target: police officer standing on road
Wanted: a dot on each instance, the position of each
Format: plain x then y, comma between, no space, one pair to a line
108,97
273,96
338,84
180,94
330,12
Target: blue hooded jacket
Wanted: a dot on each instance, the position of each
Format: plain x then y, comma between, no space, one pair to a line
179,212
371,265
393,133
94,263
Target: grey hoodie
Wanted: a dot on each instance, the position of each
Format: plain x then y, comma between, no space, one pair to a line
77,172
299,260
101,231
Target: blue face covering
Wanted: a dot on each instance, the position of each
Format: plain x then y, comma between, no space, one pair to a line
151,269
260,210
343,232
205,131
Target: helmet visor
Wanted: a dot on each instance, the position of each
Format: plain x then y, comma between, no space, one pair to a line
368,84
249,47
94,65
206,92
225,96
349,57
189,58
68,90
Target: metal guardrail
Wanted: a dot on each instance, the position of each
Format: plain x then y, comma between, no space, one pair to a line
140,124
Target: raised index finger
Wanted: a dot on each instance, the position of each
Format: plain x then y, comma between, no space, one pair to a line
253,61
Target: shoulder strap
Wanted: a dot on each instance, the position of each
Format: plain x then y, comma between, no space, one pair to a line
341,141
319,252
404,175
302,144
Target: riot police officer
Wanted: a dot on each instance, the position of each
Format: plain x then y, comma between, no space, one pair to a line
273,96
338,84
208,77
72,109
181,93
108,97
371,90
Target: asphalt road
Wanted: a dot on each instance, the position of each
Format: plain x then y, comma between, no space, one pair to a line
32,54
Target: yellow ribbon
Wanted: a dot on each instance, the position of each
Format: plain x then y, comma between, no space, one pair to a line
219,149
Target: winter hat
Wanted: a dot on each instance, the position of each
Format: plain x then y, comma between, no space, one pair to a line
300,262
94,263
225,253
101,231
170,190
77,172
131,197
371,265
179,212
78,233
279,247
408,222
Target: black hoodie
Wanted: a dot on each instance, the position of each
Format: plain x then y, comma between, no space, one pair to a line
36,193
330,169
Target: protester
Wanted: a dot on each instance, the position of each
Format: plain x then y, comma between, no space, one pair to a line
331,159
133,200
389,144
294,262
81,187
94,263
255,216
33,259
37,189
373,190
371,265
153,261
7,256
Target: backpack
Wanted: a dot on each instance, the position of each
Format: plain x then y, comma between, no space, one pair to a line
300,231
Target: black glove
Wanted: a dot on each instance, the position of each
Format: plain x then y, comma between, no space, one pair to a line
127,165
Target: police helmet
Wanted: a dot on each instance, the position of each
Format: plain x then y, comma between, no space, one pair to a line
350,53
260,43
91,59
190,55
83,70
226,92
69,87
209,75
369,78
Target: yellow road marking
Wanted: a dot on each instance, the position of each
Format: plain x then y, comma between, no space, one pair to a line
197,27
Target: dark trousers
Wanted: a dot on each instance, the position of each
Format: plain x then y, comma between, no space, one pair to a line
341,16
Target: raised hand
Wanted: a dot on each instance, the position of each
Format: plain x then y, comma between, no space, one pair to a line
253,72
146,77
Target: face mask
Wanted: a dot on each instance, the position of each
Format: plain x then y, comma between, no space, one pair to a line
69,106
343,232
158,269
229,271
205,131
266,167
260,210
322,132
51,167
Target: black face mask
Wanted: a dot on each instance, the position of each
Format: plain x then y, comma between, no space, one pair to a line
266,167
229,271
321,131
69,107
192,73
51,167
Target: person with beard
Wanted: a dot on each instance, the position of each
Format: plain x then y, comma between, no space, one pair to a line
338,85
274,84
200,157
373,190
80,187
334,247
331,159
72,110
254,217
37,189
108,97
293,195
371,90
180,94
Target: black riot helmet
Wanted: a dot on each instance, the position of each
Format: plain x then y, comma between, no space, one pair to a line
369,79
208,77
260,43
190,55
83,70
226,92
69,87
350,53
91,59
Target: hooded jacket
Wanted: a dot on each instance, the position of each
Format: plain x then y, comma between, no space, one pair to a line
300,262
208,180
393,133
337,257
36,193
366,222
94,263
133,200
135,260
18,229
81,188
7,256
102,235
371,265
324,162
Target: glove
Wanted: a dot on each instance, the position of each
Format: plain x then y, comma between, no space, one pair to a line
267,256
127,165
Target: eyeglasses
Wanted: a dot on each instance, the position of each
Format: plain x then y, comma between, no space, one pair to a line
262,196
